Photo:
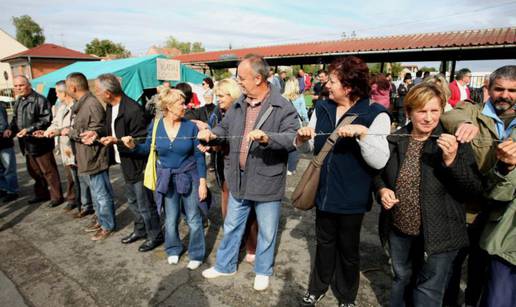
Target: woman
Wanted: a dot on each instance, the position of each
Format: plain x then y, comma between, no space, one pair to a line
227,92
381,90
422,190
345,187
441,82
181,173
293,95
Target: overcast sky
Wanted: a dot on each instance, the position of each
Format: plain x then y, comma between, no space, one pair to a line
217,24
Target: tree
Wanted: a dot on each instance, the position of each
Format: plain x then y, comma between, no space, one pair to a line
106,47
430,69
28,32
185,47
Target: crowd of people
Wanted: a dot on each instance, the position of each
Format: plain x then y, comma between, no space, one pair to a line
445,179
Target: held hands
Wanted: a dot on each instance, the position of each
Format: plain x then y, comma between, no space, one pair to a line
108,140
388,198
50,133
7,133
128,142
304,134
258,136
449,145
65,131
88,137
349,131
506,152
206,135
22,133
466,132
39,134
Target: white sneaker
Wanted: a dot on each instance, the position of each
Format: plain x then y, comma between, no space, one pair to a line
194,264
173,259
212,273
289,173
261,282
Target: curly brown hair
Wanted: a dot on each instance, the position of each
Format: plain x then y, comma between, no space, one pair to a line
352,72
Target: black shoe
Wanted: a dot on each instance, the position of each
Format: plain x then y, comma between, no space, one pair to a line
310,299
55,203
132,238
9,197
149,245
36,200
3,193
70,206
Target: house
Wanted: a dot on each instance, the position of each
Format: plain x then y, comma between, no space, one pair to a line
8,45
44,59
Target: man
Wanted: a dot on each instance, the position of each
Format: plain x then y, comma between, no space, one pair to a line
8,175
257,167
495,120
63,119
301,79
124,117
459,87
320,90
481,94
92,159
274,80
33,112
418,78
426,74
282,80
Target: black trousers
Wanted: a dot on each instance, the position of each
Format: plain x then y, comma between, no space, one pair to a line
337,258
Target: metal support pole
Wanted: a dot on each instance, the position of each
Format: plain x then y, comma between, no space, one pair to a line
381,66
452,71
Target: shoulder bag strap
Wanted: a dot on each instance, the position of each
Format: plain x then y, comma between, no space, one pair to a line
154,129
331,140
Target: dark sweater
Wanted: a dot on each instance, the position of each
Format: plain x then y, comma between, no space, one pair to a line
443,191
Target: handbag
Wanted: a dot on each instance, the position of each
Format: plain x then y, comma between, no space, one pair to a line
150,175
304,195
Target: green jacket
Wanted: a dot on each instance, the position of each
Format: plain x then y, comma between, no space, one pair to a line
499,236
484,146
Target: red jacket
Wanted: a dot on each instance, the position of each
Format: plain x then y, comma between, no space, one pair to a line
455,93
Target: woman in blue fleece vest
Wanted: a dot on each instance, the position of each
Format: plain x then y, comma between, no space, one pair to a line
345,187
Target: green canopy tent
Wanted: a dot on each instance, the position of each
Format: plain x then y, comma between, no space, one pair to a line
136,74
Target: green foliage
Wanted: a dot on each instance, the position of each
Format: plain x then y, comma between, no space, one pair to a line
185,47
395,69
430,69
106,47
28,32
219,74
311,69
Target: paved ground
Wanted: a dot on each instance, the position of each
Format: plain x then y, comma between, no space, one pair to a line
47,260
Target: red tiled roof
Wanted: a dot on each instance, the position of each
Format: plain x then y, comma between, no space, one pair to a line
51,51
470,38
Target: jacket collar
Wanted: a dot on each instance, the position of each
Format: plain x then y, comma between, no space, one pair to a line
273,99
360,108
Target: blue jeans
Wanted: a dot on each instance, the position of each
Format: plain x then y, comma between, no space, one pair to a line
85,192
293,159
8,177
146,219
173,244
102,193
267,215
431,277
501,285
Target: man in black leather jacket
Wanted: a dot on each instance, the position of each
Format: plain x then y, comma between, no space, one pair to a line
32,112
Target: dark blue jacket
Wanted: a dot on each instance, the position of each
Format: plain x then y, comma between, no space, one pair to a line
345,185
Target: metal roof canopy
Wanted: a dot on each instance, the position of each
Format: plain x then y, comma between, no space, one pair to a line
491,52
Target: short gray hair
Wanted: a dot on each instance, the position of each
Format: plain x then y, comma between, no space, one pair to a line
60,86
505,72
24,78
259,65
110,83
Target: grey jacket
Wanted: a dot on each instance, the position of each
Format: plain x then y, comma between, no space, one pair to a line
89,116
265,173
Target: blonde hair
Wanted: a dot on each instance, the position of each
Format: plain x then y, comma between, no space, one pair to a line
168,97
440,81
291,89
228,87
421,94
